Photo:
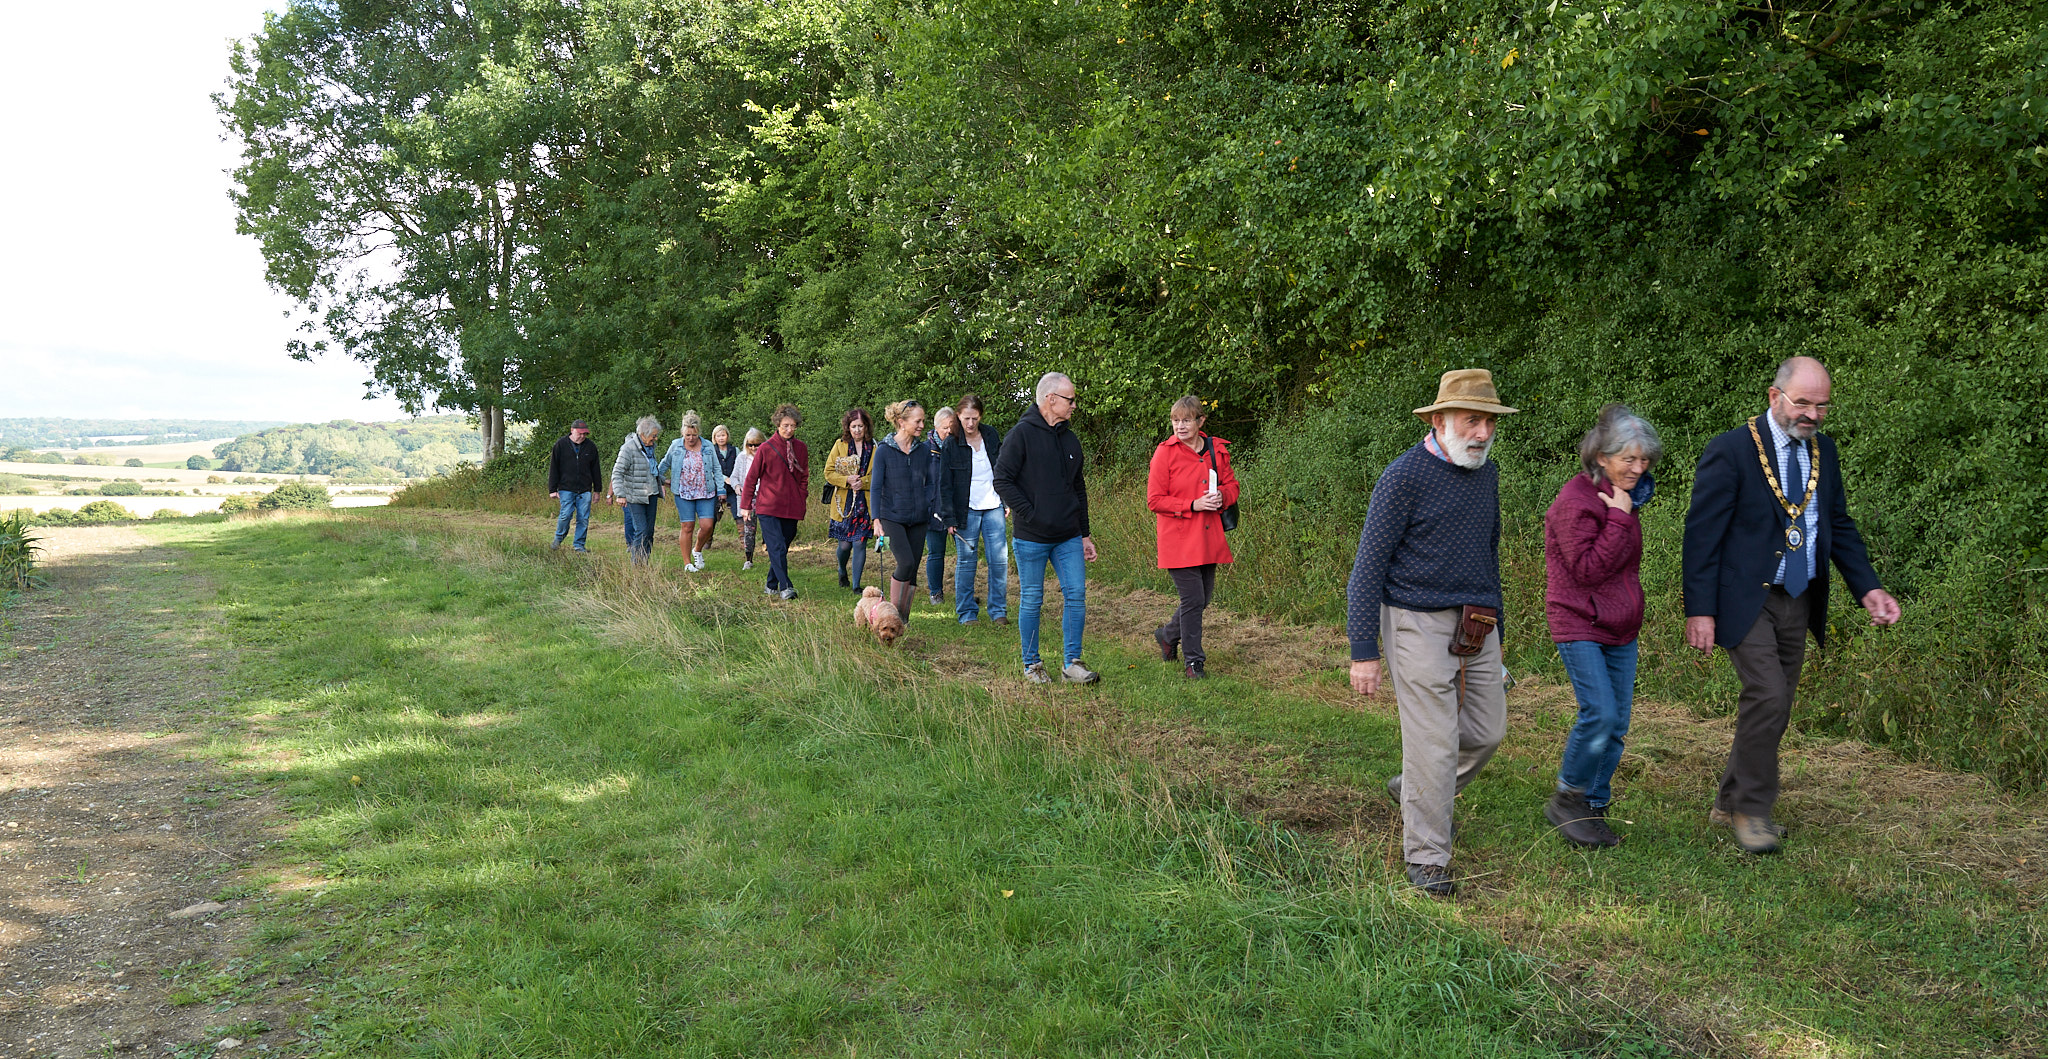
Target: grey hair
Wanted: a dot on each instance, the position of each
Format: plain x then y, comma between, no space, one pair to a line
753,434
1046,382
946,413
647,425
1618,430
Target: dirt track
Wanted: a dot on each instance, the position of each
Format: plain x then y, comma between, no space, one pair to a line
107,828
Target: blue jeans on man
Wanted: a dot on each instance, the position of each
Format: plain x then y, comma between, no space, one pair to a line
1072,570
576,505
639,519
1604,679
984,531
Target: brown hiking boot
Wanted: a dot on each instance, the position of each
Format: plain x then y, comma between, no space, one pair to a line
1569,814
1724,818
1169,645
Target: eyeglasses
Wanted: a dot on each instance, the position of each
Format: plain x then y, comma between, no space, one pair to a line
1072,401
753,444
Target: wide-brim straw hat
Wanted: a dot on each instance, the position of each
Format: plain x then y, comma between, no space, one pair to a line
1469,388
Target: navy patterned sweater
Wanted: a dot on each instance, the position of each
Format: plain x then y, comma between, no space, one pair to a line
1431,541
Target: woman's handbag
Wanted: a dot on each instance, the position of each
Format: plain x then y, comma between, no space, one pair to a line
825,495
1228,514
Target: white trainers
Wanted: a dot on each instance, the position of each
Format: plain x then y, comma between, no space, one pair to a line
748,565
1076,673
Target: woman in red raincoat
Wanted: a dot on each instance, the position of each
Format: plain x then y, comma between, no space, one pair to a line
1189,486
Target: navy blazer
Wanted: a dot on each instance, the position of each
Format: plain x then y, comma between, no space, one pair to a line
1735,533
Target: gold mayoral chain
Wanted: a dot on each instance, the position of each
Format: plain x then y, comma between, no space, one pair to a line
1794,537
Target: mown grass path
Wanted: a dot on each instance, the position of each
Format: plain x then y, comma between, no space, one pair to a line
556,808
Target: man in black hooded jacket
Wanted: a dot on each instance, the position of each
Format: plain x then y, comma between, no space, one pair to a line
1038,475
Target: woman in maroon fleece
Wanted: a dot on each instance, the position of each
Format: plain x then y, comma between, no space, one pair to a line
1593,550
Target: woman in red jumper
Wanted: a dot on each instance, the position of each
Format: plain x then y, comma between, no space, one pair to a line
1189,486
778,487
1593,551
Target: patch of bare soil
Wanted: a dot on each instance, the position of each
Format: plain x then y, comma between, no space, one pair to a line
112,842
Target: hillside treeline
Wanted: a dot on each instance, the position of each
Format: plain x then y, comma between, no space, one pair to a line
49,432
345,449
1305,210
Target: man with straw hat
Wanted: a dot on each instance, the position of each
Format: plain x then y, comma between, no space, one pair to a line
1424,613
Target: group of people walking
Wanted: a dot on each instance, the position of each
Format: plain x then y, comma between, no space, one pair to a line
1767,516
1424,598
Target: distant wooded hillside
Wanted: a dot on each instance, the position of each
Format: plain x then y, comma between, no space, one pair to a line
344,448
50,432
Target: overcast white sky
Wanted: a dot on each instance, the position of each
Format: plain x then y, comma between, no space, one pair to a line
124,290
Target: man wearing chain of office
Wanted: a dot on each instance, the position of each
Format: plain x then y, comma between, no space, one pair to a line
1767,515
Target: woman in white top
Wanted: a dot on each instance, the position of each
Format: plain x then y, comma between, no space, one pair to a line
969,506
740,464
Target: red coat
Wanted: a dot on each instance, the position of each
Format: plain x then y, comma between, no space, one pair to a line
1593,555
771,487
1178,477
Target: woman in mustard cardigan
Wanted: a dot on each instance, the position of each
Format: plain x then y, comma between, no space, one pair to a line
847,469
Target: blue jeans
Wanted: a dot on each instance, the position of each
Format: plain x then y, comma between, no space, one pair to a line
1072,571
1604,679
776,533
697,510
984,530
577,505
935,537
640,528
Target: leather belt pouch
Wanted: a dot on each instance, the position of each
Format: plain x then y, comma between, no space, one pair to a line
1474,623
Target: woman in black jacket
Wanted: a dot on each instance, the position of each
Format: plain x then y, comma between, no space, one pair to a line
903,485
971,509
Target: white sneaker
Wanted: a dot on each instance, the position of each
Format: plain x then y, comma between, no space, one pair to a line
1076,673
748,565
695,566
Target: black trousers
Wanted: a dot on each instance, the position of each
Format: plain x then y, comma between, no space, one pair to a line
1197,585
1768,660
906,545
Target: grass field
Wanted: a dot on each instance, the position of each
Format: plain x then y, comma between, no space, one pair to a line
549,807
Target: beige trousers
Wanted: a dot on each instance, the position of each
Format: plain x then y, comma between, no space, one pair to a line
1445,740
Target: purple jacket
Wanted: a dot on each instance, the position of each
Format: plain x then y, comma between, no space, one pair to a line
1593,555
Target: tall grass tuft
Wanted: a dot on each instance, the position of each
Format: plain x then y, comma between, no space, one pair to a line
18,550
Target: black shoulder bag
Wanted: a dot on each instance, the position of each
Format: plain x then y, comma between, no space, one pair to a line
1228,514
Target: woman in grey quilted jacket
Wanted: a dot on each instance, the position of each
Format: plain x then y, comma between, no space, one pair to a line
636,486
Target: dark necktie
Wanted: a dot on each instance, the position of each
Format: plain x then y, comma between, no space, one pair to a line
1795,491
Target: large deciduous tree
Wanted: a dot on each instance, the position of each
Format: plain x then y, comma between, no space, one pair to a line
390,155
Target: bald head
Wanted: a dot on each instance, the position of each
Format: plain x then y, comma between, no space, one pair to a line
1793,368
1800,395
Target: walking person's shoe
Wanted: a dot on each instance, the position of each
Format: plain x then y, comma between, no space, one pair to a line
1432,879
1607,835
843,581
1169,645
937,600
1568,812
748,565
582,549
1194,671
789,593
1076,673
1394,787
1757,834
1035,673
1724,818
557,546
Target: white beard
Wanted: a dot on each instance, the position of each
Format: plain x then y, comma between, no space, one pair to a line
1462,451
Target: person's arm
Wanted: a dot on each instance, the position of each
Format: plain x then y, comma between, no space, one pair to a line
1594,545
1009,465
1714,484
555,470
619,471
1159,490
1386,518
1080,487
832,472
752,484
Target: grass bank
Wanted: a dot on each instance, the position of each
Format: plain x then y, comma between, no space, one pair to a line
550,808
